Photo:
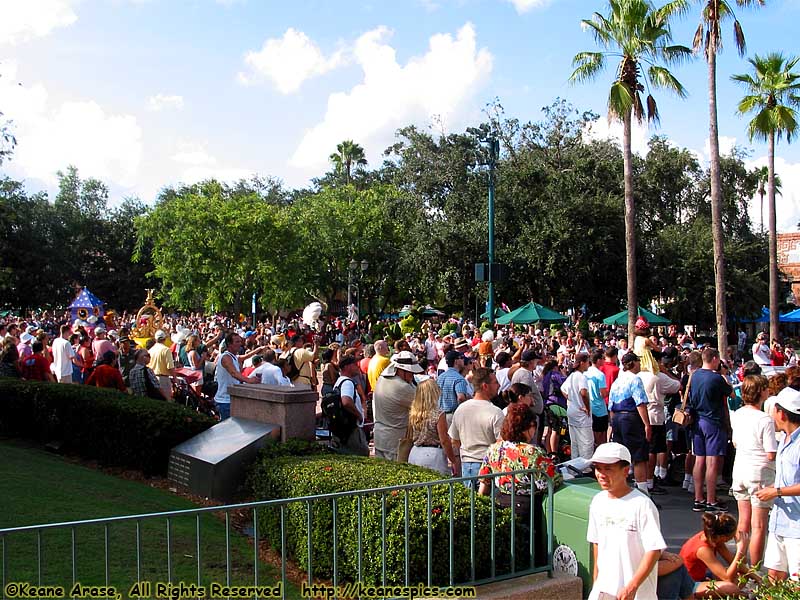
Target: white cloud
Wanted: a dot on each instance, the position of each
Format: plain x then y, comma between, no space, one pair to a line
787,203
193,154
288,61
524,6
200,165
726,146
22,20
602,129
164,101
81,133
440,83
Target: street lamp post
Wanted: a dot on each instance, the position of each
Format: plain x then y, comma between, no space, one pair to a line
352,269
494,149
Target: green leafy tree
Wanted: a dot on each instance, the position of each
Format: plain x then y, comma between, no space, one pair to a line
230,242
445,212
348,157
337,225
708,37
640,34
773,93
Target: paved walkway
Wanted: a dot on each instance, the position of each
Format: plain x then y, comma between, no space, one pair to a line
678,521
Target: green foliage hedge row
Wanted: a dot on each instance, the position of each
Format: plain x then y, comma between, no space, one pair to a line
294,476
105,425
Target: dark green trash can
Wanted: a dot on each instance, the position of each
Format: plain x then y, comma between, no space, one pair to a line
570,522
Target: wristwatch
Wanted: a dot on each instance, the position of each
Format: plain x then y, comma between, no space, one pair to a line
777,489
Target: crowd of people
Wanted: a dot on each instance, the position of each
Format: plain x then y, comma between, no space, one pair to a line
473,403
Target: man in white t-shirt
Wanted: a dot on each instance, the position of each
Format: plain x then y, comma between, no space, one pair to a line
624,531
476,424
64,356
579,412
761,350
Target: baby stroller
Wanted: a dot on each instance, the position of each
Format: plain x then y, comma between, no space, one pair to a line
202,402
557,432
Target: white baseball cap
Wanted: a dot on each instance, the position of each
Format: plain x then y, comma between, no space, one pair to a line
610,453
789,399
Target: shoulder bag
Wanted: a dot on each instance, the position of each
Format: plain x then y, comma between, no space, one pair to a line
682,416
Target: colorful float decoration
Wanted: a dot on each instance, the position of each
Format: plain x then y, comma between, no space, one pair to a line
87,310
148,321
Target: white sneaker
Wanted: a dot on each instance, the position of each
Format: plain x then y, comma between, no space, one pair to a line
690,487
685,484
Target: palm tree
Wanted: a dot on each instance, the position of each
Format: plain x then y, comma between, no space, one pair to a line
763,179
773,92
709,37
638,34
347,154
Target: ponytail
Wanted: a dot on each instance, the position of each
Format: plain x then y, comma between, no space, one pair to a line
718,525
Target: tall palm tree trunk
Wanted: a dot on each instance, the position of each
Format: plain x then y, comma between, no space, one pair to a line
773,243
716,209
630,226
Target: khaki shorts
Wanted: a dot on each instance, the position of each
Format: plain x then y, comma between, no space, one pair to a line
745,491
783,554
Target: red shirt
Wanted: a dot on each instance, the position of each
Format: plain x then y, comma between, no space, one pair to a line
106,376
696,567
611,371
34,367
778,358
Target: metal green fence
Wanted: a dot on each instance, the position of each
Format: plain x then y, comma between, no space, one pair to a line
111,547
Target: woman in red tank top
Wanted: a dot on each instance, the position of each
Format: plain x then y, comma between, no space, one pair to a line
702,552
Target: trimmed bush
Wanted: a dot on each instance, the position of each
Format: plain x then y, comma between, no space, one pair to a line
114,428
295,476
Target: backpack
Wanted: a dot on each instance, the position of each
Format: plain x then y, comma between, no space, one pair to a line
341,422
294,372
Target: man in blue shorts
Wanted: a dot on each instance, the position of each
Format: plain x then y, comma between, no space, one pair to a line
630,424
708,392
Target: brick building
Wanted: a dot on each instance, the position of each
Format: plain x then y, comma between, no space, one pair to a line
789,261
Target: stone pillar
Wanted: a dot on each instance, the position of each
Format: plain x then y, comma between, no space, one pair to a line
294,410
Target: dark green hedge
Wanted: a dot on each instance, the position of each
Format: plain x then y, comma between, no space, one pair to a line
286,477
105,425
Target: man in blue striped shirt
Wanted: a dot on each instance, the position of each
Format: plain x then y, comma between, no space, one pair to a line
455,388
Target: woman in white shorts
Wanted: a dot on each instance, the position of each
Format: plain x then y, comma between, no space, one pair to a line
754,466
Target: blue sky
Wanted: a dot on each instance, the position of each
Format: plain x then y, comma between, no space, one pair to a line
147,93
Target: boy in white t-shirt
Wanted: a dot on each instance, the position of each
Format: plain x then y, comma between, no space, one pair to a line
624,531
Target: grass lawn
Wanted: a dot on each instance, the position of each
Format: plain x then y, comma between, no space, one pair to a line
38,487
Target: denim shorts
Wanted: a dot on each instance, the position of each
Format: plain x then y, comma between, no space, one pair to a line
676,585
709,439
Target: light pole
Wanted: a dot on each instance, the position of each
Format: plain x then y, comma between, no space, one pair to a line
494,150
353,268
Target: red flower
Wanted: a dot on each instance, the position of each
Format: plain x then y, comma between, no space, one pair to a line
436,511
512,453
551,470
395,492
327,468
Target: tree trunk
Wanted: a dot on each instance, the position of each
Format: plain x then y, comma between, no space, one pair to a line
716,209
630,227
774,281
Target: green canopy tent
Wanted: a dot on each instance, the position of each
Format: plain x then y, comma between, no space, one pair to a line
621,318
498,312
532,313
